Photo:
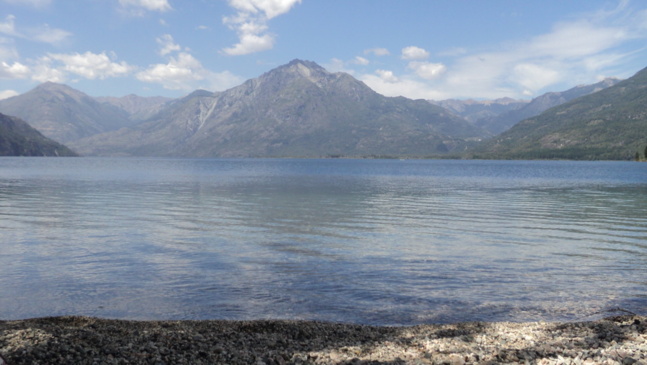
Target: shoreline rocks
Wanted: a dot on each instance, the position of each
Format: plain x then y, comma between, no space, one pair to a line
87,340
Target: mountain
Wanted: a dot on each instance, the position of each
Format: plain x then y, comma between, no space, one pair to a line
607,124
138,108
502,122
477,110
497,116
298,109
63,113
17,138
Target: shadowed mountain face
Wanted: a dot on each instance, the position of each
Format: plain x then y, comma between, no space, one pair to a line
608,124
17,138
63,113
298,109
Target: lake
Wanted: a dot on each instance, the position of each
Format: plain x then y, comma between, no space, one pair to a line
385,242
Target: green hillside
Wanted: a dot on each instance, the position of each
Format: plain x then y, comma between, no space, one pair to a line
607,125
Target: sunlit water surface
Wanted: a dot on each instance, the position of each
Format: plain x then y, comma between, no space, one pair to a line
364,241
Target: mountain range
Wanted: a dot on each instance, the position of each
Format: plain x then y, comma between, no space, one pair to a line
497,116
296,110
607,124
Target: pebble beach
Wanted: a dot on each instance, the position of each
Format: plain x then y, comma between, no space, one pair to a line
86,340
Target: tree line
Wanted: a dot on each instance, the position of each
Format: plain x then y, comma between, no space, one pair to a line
644,157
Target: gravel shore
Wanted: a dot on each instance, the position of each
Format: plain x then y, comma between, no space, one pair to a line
84,340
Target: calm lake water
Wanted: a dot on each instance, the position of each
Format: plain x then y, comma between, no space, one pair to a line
364,241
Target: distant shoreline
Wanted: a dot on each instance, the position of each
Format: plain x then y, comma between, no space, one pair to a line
80,340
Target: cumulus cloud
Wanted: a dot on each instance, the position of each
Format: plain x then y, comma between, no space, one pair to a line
177,74
88,65
15,70
250,43
137,6
167,45
427,70
377,51
43,71
185,72
414,53
386,76
250,22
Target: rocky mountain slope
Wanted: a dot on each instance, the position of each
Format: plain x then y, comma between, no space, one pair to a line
298,109
475,111
17,138
504,121
64,114
608,124
137,107
497,116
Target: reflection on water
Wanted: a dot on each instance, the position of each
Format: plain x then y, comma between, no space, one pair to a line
379,242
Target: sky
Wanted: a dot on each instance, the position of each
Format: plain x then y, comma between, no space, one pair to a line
420,49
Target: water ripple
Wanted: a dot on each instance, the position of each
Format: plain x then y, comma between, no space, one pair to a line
379,242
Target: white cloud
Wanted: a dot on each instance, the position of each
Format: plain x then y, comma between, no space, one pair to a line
250,43
167,45
5,94
141,5
534,77
427,70
250,22
414,53
44,33
580,50
15,70
43,71
8,27
88,65
184,72
377,51
360,61
388,84
387,76
575,40
268,8
177,74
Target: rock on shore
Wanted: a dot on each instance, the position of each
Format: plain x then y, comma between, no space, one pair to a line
84,340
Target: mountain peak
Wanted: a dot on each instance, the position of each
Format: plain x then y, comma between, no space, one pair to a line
307,69
53,86
305,63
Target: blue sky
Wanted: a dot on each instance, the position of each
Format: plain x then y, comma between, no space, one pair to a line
431,49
